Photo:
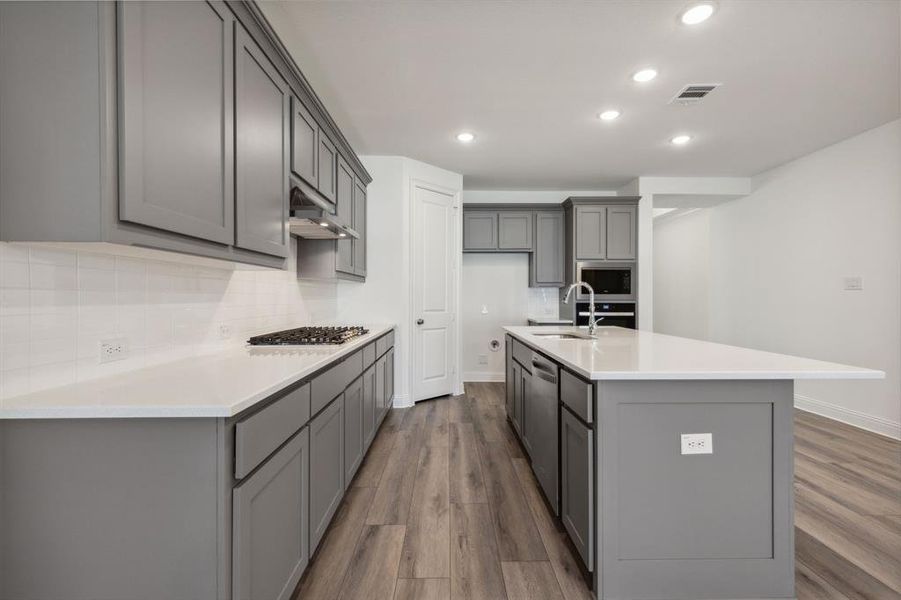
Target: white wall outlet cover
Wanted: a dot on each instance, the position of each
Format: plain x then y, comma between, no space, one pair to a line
697,443
483,359
853,284
484,309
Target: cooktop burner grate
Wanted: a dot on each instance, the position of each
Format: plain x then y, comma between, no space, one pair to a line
308,336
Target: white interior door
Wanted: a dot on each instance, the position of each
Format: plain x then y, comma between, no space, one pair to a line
434,261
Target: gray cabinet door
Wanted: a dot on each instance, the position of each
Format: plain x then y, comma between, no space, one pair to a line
591,232
344,211
525,408
176,112
326,468
328,167
261,150
509,379
622,229
389,380
304,143
359,245
369,408
514,230
270,524
353,429
516,415
547,259
479,230
380,388
577,484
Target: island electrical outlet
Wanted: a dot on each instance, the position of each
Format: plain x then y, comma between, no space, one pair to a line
697,443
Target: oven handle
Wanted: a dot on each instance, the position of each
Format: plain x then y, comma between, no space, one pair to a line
608,314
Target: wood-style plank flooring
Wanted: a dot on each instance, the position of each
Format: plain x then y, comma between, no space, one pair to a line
445,506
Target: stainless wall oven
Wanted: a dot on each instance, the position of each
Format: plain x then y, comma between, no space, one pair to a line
610,281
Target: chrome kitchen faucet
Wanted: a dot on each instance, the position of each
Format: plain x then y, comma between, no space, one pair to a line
592,324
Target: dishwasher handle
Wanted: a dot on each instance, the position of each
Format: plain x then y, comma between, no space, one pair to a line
543,370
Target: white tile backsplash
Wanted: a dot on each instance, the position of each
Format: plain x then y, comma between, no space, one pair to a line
56,305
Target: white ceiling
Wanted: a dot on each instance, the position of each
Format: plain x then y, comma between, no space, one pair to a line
529,77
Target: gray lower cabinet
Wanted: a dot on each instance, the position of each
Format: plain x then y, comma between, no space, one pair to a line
176,109
369,407
381,400
353,429
389,380
270,524
479,230
546,269
262,121
525,408
509,386
591,232
326,468
577,484
514,230
304,143
516,412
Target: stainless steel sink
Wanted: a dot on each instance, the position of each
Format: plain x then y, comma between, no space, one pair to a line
563,336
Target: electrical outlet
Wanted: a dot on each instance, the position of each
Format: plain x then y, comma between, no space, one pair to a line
483,359
113,349
853,284
225,331
697,443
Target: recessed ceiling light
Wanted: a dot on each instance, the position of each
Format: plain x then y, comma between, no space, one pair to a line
697,13
342,234
644,75
323,224
465,137
608,115
680,140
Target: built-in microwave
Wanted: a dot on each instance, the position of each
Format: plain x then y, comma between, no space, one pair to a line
610,281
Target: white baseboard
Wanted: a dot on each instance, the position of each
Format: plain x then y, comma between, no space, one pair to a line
480,376
878,425
402,401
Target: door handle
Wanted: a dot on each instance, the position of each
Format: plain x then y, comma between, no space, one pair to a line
420,321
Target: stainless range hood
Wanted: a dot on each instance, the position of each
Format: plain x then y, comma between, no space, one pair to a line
313,217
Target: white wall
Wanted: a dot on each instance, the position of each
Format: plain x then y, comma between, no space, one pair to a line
777,262
56,304
682,274
497,284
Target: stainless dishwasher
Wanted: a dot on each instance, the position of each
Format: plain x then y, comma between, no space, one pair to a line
542,423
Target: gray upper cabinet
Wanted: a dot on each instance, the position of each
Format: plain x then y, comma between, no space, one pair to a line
344,206
577,484
304,143
514,230
328,168
270,547
353,429
261,150
621,232
175,116
359,244
326,468
547,261
591,232
479,230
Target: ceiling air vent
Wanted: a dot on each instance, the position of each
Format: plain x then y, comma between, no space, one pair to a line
693,93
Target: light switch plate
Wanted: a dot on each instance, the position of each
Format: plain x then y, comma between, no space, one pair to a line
853,284
697,443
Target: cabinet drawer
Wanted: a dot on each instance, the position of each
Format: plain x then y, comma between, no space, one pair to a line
257,436
522,354
332,382
368,356
576,393
384,343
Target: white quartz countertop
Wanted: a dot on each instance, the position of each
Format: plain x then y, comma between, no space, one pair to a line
550,321
622,354
220,384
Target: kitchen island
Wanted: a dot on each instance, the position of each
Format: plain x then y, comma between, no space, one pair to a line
212,477
669,461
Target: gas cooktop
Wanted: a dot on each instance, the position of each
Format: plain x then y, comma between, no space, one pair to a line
308,336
